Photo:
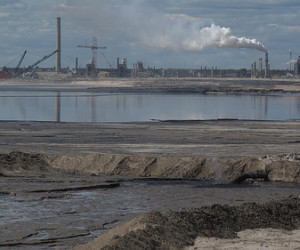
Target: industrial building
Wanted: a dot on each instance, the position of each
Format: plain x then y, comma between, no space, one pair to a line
138,70
261,73
297,67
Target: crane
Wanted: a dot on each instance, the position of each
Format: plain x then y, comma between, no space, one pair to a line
107,60
5,74
94,48
31,69
19,63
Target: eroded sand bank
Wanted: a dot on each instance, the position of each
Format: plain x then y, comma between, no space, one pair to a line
284,168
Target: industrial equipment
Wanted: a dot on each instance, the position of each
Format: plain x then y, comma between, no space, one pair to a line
122,67
297,67
260,67
19,63
5,74
29,71
94,48
107,60
267,66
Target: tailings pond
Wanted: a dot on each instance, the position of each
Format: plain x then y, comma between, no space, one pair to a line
128,107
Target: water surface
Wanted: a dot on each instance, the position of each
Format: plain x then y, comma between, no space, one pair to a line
110,107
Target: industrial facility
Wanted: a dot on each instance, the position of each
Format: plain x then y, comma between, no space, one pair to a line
297,67
261,73
138,69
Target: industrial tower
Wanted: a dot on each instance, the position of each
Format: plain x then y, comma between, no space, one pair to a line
94,48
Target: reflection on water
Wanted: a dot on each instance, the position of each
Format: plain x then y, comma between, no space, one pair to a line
107,107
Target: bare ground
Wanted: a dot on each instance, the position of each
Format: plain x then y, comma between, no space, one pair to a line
185,138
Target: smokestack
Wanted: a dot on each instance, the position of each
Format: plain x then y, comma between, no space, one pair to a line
267,67
118,66
76,65
58,45
260,67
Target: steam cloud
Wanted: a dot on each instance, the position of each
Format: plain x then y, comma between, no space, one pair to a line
185,33
152,28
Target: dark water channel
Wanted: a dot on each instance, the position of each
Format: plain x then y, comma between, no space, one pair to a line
110,107
61,219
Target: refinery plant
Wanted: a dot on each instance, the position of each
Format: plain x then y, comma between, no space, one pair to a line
258,69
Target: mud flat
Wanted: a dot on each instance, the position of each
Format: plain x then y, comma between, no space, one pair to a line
220,138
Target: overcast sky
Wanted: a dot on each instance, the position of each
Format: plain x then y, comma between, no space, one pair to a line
161,33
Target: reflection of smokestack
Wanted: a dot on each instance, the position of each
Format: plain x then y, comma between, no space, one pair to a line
58,47
58,106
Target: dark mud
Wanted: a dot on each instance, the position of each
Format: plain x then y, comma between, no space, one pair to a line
177,229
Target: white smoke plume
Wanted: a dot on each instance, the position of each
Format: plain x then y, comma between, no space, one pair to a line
181,32
150,27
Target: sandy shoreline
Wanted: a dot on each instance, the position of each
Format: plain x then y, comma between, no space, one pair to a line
193,85
188,149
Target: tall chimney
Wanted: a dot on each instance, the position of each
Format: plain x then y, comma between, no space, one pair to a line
267,67
58,45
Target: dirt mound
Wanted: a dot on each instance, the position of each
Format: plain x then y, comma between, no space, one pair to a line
175,230
278,168
285,168
16,163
